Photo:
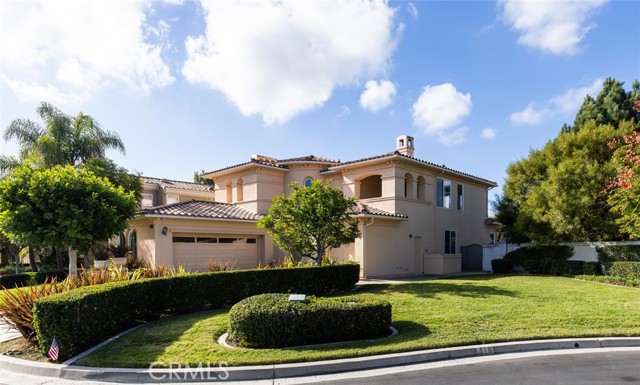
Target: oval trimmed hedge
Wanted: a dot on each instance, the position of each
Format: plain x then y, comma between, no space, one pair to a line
271,320
86,316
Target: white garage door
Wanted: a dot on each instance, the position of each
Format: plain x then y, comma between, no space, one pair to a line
194,252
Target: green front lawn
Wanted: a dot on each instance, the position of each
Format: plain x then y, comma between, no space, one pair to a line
429,314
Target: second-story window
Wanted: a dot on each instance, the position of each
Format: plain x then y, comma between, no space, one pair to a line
460,197
147,200
443,193
172,198
308,181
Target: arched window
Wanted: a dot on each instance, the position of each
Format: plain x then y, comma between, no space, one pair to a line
308,181
408,186
371,187
123,240
421,188
239,190
133,243
229,190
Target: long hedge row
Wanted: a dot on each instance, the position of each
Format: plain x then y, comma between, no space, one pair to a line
86,316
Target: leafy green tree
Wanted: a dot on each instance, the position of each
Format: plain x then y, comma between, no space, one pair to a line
612,105
311,220
118,176
197,178
64,207
558,193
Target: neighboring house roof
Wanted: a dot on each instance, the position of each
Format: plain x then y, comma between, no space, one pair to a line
177,184
201,209
366,210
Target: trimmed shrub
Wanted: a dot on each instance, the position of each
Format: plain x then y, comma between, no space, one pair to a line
270,320
44,275
83,317
501,266
592,268
625,270
571,268
621,253
539,253
14,280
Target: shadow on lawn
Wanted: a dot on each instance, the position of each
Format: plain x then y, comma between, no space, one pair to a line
434,289
407,330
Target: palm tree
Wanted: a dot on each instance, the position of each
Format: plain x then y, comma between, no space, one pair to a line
64,139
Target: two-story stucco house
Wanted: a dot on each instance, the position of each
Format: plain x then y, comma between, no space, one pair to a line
414,215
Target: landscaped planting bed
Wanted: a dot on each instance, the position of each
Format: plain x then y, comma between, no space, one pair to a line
84,317
430,314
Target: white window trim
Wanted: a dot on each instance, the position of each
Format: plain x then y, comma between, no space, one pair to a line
444,206
176,196
148,198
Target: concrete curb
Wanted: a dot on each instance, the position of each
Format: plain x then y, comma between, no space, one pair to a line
160,372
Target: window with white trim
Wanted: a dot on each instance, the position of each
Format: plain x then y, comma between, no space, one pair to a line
450,242
147,200
173,198
443,193
460,197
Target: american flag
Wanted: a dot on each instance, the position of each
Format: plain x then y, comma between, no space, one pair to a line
54,350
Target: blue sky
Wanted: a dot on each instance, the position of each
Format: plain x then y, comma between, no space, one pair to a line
191,85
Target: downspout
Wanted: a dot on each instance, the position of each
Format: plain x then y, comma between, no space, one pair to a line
364,247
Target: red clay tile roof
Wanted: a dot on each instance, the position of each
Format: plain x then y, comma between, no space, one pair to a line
202,209
252,161
368,210
310,158
396,153
177,184
281,164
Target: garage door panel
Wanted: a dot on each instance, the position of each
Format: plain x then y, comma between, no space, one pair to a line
196,254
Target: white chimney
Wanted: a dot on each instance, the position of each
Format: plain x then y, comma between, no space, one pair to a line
404,145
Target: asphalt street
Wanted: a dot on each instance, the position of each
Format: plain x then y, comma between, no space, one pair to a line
590,367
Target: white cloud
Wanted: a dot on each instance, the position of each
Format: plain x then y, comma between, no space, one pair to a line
377,95
530,115
344,110
550,25
488,133
413,10
277,59
452,137
70,49
439,109
571,100
566,103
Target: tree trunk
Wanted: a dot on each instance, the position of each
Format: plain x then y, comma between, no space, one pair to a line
59,259
13,250
73,262
32,260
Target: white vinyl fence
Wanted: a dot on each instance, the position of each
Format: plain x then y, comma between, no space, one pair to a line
582,251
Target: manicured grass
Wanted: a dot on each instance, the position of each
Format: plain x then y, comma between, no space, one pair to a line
430,314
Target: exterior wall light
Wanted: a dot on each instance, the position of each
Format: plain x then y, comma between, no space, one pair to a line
165,230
